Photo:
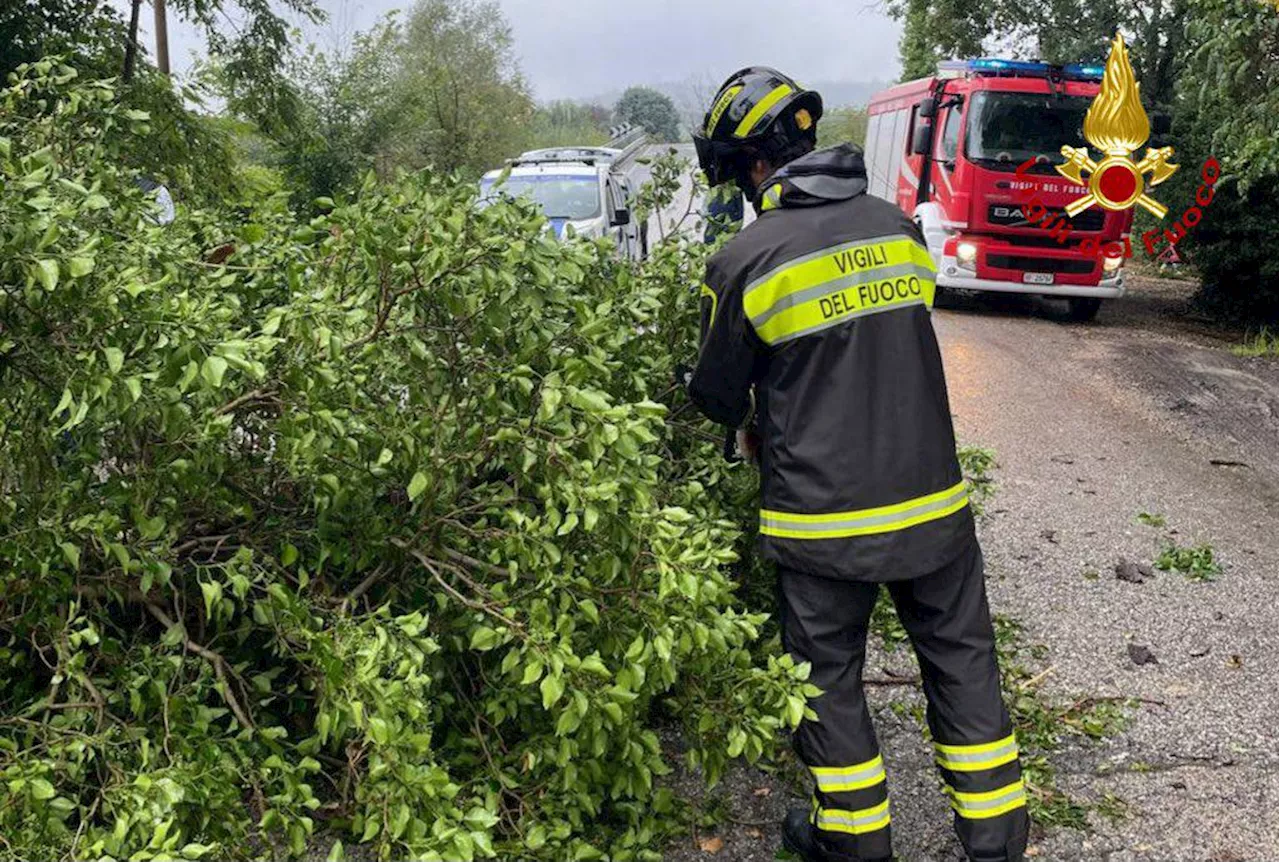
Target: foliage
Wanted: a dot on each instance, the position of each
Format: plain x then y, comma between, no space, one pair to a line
1265,343
1227,109
90,31
439,89
250,60
566,123
647,107
386,519
1197,562
843,124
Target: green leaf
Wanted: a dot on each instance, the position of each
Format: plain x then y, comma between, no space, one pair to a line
42,789
336,852
80,266
212,595
288,555
194,851
378,730
552,687
134,385
72,553
417,485
96,202
484,638
46,271
212,371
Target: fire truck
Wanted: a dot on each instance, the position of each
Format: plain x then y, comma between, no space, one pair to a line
967,152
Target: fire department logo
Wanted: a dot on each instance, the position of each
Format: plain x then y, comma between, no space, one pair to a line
1117,125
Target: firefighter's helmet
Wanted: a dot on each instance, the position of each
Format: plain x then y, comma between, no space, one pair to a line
758,112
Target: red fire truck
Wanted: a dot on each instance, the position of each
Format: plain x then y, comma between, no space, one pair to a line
948,151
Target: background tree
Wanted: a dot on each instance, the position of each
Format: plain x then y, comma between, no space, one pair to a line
646,107
566,122
846,123
1226,107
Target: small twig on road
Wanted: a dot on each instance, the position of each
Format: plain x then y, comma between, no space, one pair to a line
1037,679
887,680
1085,702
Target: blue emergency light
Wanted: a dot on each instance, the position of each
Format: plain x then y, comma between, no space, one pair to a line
996,66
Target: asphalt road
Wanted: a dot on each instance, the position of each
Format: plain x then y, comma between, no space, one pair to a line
1093,424
682,214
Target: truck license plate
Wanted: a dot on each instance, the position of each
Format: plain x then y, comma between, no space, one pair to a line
1037,278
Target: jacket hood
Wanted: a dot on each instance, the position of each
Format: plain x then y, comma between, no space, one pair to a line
820,177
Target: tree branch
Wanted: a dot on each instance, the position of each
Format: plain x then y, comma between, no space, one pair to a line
219,663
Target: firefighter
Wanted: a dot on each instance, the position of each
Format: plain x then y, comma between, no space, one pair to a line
817,344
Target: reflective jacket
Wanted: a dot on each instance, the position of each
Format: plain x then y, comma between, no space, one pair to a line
821,307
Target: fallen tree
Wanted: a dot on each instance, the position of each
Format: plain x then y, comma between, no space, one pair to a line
382,519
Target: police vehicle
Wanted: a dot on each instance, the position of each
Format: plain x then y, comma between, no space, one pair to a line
578,191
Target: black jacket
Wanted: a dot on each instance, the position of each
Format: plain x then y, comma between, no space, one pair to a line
822,306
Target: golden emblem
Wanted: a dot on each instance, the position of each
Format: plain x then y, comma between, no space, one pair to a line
1117,125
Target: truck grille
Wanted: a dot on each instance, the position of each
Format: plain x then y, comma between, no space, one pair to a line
1023,263
1013,215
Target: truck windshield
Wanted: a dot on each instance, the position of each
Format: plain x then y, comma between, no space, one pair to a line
1006,129
560,195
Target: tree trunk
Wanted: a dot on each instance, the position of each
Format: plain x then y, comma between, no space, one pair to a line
131,46
162,38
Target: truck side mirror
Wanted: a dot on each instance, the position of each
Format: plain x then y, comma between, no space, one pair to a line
922,137
621,218
928,108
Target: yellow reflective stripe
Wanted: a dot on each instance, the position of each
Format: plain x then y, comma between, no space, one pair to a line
762,107
828,265
828,287
861,522
853,822
772,198
993,803
975,758
833,779
707,291
720,107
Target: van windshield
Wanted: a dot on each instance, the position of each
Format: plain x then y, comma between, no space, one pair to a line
567,196
1006,129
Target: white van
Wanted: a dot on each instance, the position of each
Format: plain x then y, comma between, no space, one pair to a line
581,195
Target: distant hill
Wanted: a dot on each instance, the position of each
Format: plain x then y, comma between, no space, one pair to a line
691,96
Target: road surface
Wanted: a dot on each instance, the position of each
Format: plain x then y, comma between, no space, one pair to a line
1092,425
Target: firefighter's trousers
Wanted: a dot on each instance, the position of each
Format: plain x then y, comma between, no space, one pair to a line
945,614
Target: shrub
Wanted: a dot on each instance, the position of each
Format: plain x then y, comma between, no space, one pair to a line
381,518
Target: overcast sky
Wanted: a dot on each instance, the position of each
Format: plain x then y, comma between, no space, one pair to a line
581,48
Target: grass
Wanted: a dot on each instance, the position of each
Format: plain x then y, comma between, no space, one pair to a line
1265,343
1151,520
1196,563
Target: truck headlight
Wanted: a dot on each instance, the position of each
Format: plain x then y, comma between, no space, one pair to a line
967,254
1111,263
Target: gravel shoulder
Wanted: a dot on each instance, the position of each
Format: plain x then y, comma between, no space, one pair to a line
1141,411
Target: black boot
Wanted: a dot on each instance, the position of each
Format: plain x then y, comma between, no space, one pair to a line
800,836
